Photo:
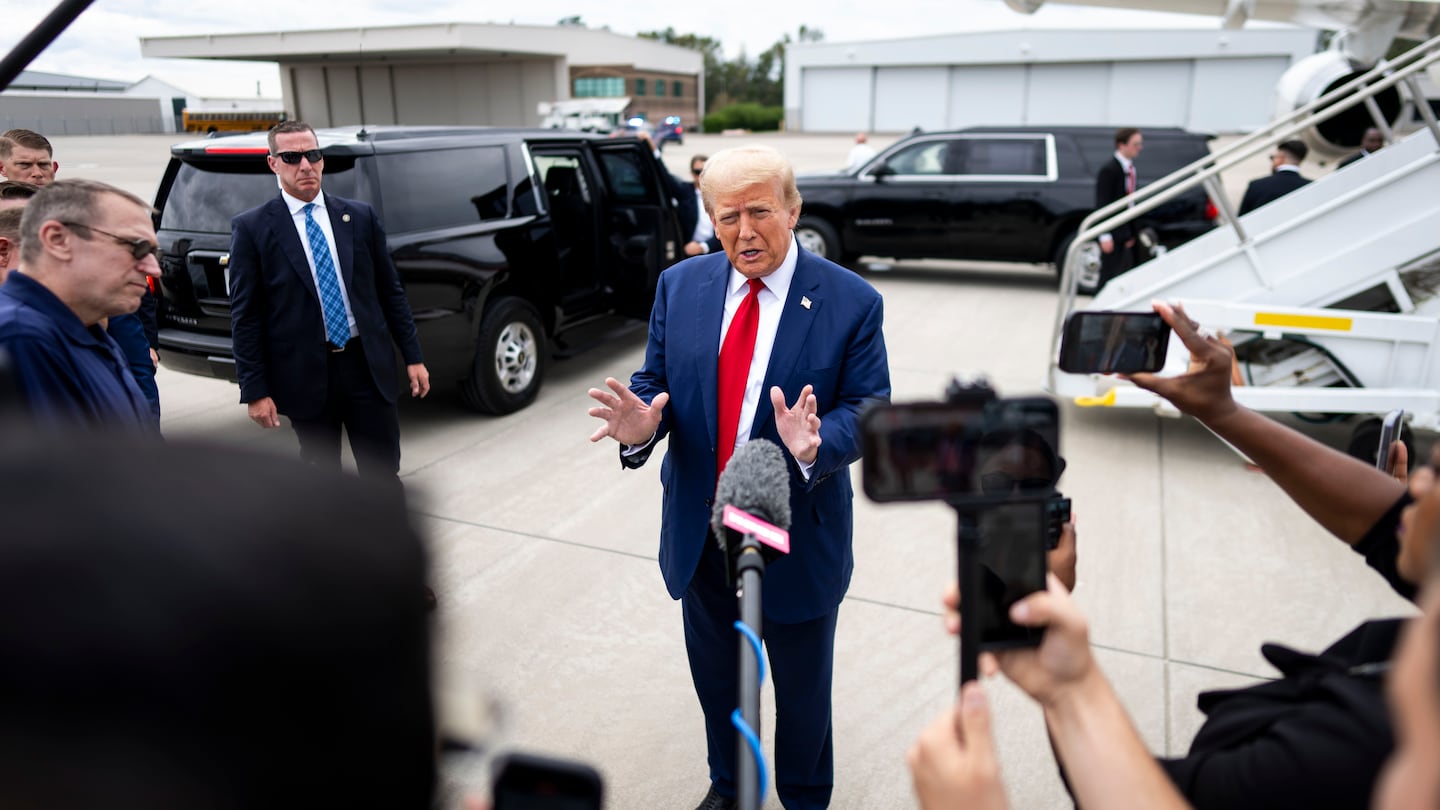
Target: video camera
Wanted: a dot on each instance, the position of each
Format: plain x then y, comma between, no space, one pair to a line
997,462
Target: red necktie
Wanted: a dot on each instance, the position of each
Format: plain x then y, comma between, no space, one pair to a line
735,356
1130,179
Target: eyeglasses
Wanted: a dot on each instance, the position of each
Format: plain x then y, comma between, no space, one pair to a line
293,158
139,247
997,483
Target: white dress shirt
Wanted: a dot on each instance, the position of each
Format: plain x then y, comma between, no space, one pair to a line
322,218
1128,166
704,228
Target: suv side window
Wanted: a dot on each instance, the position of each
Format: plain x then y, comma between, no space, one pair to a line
922,158
1008,157
627,181
444,189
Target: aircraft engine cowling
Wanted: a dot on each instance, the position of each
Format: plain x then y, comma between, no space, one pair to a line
1313,77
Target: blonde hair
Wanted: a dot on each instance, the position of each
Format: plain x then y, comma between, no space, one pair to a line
730,170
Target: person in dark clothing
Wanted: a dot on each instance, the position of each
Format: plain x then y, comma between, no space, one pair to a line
1372,142
1284,177
1115,181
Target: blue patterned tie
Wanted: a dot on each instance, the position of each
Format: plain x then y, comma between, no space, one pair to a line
337,326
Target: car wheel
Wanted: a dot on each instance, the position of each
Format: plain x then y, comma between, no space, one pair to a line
819,237
510,356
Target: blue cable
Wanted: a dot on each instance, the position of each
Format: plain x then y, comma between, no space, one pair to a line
754,742
754,642
738,719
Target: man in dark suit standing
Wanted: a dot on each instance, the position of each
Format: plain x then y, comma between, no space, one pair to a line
734,337
1373,141
316,306
1116,180
1284,177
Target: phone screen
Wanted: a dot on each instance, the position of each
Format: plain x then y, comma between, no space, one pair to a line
1011,556
973,453
528,782
1113,343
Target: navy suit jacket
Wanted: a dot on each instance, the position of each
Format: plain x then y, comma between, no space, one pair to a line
688,209
836,345
278,328
1265,190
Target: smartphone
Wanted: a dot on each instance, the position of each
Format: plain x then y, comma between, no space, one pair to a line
1113,342
970,453
530,782
1012,540
1389,432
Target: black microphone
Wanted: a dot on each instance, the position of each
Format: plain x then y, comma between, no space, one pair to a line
757,481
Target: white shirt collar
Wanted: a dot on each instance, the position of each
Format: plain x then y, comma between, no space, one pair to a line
295,204
1286,167
778,282
1124,161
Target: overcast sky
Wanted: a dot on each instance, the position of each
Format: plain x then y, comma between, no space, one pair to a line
104,41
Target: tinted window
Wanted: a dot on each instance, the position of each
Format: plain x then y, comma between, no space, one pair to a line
625,177
920,158
206,194
444,189
1002,156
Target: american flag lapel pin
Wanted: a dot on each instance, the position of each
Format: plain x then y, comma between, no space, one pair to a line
804,302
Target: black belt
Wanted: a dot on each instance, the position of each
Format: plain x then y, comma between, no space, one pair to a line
337,349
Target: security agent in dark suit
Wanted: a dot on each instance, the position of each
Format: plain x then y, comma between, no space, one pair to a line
695,224
315,306
1372,142
815,340
1284,178
1116,180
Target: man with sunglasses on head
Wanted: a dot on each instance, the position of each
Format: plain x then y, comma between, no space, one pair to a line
316,308
87,253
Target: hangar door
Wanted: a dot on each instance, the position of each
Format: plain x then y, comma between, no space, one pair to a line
907,97
486,93
836,99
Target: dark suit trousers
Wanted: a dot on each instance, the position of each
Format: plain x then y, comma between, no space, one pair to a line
801,658
1118,261
352,401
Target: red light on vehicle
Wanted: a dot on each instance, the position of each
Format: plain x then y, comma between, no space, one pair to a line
236,150
679,130
1211,212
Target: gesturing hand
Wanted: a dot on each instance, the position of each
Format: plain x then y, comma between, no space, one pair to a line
799,427
628,419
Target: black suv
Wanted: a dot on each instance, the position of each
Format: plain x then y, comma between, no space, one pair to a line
1013,194
511,244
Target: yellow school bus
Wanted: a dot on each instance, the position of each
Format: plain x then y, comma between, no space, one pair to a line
231,121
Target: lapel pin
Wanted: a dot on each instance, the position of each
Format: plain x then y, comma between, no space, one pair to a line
804,302
344,217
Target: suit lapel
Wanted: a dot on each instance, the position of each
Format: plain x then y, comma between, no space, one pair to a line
795,323
708,314
344,230
283,226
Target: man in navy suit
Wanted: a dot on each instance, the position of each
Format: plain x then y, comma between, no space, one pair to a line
817,343
1115,181
1284,177
316,306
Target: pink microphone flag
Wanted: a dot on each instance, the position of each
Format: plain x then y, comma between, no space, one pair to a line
742,521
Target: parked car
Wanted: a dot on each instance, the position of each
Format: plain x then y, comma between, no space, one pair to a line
1014,194
511,244
670,130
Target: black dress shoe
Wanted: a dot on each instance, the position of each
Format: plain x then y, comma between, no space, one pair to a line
714,801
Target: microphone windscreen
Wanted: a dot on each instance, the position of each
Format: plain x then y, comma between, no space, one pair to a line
756,480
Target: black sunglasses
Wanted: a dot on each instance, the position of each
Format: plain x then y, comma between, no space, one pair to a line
139,247
293,158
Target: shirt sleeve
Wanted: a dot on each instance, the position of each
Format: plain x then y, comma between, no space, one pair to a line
1380,547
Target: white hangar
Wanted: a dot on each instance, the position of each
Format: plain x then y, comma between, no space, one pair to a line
1205,80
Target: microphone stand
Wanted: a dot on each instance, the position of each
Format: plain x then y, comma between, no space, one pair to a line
749,572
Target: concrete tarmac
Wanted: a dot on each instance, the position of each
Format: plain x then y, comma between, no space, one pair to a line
552,604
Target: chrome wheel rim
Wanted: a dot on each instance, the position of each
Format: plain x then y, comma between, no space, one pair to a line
811,241
515,358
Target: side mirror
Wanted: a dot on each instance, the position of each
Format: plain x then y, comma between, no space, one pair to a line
881,170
